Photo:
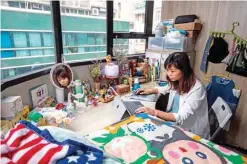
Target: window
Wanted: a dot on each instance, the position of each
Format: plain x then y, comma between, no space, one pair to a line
22,5
129,12
67,10
129,46
95,11
26,41
20,39
81,12
36,6
157,13
13,4
131,33
47,8
84,38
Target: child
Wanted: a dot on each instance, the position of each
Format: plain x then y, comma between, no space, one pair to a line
63,78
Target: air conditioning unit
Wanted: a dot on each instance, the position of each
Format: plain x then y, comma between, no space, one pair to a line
95,11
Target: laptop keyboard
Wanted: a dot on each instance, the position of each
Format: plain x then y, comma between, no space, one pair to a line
150,97
132,106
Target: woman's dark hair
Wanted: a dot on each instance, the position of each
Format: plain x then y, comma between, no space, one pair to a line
180,60
63,73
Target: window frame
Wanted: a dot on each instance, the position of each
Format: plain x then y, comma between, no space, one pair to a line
110,36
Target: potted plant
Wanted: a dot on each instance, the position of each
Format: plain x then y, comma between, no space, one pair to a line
95,73
122,61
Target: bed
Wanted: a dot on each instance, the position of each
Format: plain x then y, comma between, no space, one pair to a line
146,139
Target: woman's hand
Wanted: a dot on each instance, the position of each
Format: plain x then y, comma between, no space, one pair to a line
147,110
145,91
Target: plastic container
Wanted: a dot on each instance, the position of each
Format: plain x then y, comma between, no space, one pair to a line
179,43
168,24
159,30
156,43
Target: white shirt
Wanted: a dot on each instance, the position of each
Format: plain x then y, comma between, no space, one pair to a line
193,109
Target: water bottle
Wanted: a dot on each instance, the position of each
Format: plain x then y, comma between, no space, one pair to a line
159,30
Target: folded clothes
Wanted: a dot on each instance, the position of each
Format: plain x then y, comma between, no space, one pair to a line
25,143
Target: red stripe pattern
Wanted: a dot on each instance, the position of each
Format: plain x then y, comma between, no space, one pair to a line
22,144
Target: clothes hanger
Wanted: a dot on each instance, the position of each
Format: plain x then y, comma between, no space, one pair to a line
225,76
231,32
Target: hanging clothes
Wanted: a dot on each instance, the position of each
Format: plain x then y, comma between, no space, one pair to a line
215,51
231,54
204,63
239,63
224,88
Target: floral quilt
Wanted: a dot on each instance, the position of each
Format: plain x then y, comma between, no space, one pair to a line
146,139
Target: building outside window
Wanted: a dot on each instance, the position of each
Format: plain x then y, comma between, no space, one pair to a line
28,44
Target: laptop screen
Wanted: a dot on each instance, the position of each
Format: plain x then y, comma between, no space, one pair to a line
121,110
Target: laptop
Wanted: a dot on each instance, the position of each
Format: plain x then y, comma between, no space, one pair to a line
125,108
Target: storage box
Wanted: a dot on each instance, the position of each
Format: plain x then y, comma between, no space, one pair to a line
11,106
122,88
155,43
179,43
189,26
192,34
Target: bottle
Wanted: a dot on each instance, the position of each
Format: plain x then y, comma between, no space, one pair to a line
149,70
130,83
136,85
157,70
79,90
153,72
130,80
159,30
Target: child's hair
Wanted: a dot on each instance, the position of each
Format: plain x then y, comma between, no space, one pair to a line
180,60
63,73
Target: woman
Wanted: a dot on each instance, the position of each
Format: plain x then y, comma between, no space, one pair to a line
187,104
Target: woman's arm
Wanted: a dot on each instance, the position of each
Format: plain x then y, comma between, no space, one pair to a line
146,91
154,112
165,116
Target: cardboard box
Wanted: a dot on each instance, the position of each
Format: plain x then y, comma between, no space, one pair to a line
122,88
192,34
6,125
189,26
11,106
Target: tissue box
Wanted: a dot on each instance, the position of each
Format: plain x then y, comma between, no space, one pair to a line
11,106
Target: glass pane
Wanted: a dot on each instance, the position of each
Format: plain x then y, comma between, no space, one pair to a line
19,39
129,16
84,30
129,46
157,13
26,37
35,40
22,53
48,39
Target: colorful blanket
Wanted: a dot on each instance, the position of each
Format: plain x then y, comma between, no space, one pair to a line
145,139
25,143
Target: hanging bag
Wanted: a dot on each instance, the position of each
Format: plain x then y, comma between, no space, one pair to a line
239,62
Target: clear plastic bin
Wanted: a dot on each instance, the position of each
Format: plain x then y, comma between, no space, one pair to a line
179,43
156,43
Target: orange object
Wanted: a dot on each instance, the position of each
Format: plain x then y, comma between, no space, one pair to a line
122,88
189,26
